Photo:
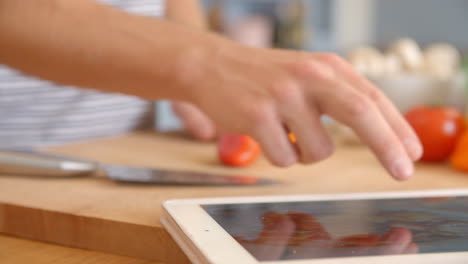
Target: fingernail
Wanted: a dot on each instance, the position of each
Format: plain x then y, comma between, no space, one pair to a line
402,169
288,161
415,149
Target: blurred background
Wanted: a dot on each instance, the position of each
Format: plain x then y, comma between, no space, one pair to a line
414,50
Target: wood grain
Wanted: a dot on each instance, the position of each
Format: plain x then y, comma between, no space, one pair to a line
15,250
98,214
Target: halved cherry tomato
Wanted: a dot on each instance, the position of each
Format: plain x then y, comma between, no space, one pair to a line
238,150
438,128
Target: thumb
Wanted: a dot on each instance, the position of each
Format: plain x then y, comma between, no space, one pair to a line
195,121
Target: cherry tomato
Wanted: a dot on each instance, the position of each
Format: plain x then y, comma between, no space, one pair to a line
238,150
438,128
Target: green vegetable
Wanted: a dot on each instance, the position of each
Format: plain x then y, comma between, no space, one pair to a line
465,69
465,63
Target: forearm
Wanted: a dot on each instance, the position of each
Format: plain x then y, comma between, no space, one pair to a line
86,44
186,12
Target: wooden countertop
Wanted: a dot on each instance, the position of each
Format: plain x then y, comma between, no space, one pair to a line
15,250
98,214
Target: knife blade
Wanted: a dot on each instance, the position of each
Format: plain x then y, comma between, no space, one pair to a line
176,177
31,163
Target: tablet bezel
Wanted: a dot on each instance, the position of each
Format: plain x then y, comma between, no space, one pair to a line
195,230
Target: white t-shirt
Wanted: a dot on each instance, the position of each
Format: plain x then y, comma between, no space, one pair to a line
37,113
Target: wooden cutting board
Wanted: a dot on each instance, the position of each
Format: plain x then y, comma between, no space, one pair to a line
16,250
98,214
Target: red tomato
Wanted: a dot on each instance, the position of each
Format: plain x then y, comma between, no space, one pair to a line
238,150
438,128
459,158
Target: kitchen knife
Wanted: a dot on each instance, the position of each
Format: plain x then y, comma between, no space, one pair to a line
14,162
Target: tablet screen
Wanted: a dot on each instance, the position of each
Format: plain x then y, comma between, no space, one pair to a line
325,229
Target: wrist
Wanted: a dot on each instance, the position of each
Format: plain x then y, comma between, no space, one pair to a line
197,64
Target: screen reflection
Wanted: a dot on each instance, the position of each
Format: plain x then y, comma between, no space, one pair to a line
308,230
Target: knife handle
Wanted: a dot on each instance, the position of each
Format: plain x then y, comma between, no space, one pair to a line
32,163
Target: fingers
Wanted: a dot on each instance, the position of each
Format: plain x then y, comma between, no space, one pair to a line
269,131
352,100
399,125
358,112
349,105
312,141
195,121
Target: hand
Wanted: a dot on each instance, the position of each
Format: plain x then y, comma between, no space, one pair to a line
300,236
268,93
195,121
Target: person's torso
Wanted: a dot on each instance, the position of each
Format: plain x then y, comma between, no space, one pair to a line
37,113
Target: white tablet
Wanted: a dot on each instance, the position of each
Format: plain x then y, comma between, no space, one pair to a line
402,227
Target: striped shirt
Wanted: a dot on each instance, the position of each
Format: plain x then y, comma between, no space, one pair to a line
35,113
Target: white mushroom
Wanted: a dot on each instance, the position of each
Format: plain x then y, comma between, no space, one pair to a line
392,65
368,61
409,53
442,61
